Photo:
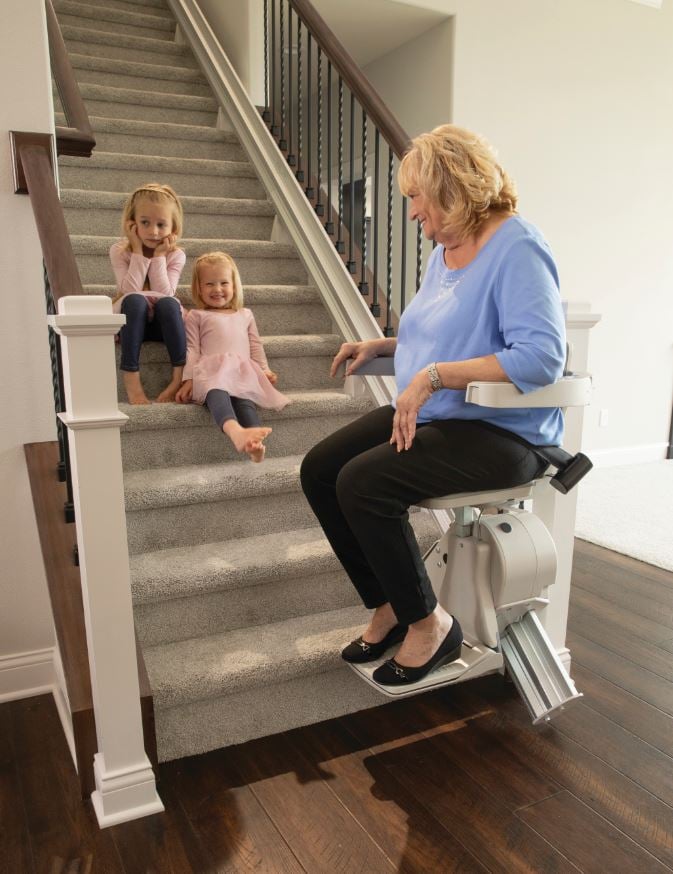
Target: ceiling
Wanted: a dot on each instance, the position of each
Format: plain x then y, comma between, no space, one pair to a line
370,29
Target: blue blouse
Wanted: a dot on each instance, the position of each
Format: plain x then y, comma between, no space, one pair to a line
505,302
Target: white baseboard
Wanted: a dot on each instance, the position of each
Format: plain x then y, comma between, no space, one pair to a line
27,673
628,454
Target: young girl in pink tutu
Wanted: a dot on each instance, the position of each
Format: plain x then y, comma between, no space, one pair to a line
226,366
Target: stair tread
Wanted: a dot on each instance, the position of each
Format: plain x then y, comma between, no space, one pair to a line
81,198
114,94
105,13
157,164
304,404
260,294
84,244
205,483
137,68
156,129
227,565
76,33
223,664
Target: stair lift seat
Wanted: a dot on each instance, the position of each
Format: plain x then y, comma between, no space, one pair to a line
493,565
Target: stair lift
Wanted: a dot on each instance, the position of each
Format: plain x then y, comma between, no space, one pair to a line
493,565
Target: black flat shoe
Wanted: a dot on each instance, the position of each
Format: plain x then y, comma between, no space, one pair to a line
361,651
393,674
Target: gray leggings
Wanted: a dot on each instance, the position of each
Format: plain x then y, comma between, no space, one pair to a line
223,407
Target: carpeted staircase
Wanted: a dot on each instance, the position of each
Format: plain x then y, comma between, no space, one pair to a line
241,607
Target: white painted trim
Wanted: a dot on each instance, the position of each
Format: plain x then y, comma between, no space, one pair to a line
63,704
566,657
25,674
124,794
628,454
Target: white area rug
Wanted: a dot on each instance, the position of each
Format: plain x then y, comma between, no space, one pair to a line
629,509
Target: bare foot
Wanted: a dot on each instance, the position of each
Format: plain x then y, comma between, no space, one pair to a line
168,394
424,638
248,440
381,623
256,450
135,393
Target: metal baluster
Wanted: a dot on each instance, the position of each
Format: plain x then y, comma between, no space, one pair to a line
329,224
266,115
309,128
403,266
419,254
350,264
388,330
363,284
300,112
319,208
291,159
274,126
375,306
283,141
340,245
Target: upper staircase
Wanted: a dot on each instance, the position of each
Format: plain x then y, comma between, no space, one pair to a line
241,608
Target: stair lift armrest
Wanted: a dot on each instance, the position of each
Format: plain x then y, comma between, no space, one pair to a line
384,365
569,391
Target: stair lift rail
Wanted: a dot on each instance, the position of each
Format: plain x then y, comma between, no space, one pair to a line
505,558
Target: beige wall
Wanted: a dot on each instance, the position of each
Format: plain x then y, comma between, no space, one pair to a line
25,390
577,98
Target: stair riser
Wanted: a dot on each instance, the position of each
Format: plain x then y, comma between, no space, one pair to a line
254,271
115,80
117,27
126,144
142,450
294,374
110,179
120,52
151,7
210,724
166,527
197,226
213,613
139,112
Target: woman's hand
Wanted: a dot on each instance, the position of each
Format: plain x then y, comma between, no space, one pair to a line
360,353
184,394
133,238
271,376
166,245
408,404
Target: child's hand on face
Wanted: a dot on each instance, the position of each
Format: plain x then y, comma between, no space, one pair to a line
133,238
184,393
166,245
271,376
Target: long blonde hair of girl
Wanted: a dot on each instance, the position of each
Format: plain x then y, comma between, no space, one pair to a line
217,258
155,193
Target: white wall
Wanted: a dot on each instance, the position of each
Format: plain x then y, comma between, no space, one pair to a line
25,390
576,97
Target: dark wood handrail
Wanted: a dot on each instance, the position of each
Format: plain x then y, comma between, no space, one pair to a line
59,258
370,100
78,138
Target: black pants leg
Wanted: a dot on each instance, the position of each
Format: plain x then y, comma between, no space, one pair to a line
223,407
360,488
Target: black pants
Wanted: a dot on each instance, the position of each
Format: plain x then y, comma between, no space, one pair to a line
360,488
223,407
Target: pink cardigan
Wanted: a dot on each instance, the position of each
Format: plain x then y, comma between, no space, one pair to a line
131,270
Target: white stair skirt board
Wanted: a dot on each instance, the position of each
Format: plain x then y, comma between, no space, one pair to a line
629,509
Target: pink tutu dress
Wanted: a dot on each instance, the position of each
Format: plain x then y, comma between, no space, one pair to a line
224,351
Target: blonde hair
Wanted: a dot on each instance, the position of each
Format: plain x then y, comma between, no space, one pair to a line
217,258
155,193
457,170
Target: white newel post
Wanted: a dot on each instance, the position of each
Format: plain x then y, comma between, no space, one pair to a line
557,510
125,784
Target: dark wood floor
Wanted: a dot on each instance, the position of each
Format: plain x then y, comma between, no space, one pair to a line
456,780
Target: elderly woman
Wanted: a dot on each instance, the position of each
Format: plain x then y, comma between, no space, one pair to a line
488,309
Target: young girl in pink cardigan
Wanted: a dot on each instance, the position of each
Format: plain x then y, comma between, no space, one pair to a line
226,366
147,265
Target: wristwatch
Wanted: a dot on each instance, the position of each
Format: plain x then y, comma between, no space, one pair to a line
435,379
